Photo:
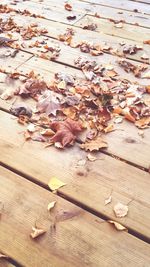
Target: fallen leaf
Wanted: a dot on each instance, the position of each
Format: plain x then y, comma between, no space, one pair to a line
3,256
48,103
118,226
144,56
147,42
95,144
55,183
91,27
91,157
66,131
31,128
146,75
143,122
71,17
21,109
47,132
119,25
68,7
31,87
51,205
120,210
108,200
37,232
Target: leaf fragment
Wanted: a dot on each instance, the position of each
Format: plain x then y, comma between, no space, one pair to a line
37,232
120,210
118,226
108,200
55,183
51,205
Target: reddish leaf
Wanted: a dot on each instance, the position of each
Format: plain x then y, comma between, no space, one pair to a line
66,131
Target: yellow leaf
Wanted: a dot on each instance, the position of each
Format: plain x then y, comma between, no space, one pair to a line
55,183
118,226
51,205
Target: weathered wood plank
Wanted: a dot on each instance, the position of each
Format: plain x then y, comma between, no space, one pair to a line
97,179
122,4
27,204
49,12
103,11
8,62
131,32
117,140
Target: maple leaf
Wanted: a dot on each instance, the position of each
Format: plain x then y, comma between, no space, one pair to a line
31,87
94,144
48,103
66,131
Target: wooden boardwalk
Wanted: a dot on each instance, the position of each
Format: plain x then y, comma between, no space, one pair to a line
78,231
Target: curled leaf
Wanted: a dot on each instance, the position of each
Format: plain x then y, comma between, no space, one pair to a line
51,205
118,226
55,183
37,232
108,200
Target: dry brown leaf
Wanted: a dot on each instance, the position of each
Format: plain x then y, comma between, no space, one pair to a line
3,256
66,131
94,144
68,7
120,210
143,123
108,200
118,226
51,205
147,42
55,183
37,232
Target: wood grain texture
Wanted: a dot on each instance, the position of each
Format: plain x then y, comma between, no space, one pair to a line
122,4
92,9
131,32
56,28
80,239
95,180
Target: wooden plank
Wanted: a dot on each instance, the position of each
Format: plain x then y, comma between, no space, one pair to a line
27,204
130,32
11,63
103,11
117,140
56,28
95,180
6,263
122,4
49,12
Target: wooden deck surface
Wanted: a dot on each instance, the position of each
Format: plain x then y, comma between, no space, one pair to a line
82,234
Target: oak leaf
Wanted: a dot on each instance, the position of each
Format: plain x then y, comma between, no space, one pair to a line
95,144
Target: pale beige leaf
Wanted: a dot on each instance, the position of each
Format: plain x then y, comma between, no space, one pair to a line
37,232
91,157
51,205
118,226
108,200
31,128
120,210
146,75
55,183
